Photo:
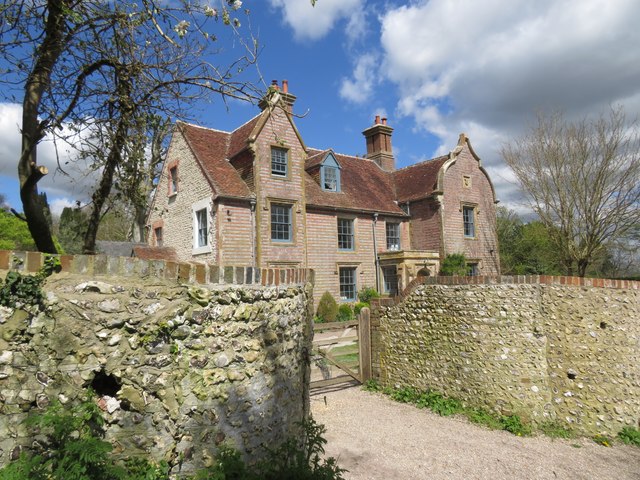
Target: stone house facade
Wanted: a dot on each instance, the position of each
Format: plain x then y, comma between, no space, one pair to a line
258,196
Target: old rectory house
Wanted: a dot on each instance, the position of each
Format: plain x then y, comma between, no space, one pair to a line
258,196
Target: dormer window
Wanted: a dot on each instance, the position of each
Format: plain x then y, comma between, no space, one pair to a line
330,174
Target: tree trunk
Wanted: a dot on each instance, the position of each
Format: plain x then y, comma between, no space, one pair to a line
33,131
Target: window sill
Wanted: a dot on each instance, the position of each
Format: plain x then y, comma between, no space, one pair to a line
201,250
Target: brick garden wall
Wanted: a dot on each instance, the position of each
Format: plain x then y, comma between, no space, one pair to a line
565,349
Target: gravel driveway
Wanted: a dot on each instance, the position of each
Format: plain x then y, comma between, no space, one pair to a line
376,438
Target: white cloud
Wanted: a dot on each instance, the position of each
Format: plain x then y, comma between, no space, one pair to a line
485,68
313,23
59,187
359,89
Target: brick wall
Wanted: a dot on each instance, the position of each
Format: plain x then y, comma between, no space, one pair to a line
175,211
425,225
236,233
278,132
485,246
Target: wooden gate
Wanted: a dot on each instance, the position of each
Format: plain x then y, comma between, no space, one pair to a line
341,352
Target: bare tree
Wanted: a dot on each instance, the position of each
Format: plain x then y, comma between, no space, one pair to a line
582,179
109,65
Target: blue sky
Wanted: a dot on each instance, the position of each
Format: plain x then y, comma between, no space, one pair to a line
434,68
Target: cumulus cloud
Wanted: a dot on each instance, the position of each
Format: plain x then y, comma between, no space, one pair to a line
359,88
313,23
486,68
60,187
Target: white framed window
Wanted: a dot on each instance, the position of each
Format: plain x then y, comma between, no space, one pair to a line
348,287
390,277
201,226
279,162
330,174
393,236
469,221
281,230
345,234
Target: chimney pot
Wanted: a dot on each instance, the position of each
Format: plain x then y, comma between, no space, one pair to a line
377,119
384,121
274,83
285,86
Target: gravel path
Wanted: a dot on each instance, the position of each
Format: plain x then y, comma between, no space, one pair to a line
376,438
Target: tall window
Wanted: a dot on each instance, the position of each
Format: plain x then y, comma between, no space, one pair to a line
469,220
348,284
279,161
472,269
173,180
345,234
330,177
390,276
158,234
202,239
393,236
280,223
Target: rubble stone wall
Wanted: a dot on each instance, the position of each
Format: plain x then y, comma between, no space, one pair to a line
177,367
547,349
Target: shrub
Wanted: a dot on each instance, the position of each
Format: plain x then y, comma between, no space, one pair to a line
630,436
359,306
327,308
367,293
345,313
454,264
513,424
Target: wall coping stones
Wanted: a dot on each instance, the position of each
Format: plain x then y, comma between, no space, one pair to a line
509,280
180,272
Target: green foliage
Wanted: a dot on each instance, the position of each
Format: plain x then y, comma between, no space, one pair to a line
295,459
19,289
345,313
359,306
513,424
366,294
327,308
14,233
74,450
630,436
482,417
554,430
317,319
71,230
454,264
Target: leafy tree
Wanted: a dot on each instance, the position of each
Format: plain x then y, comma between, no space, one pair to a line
454,264
582,179
73,224
105,69
14,233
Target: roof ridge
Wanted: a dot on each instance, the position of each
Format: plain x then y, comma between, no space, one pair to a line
422,162
204,128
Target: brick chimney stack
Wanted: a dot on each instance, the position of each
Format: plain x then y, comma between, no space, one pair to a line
379,149
274,92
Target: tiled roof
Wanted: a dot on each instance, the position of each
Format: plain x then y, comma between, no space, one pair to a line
417,181
314,159
146,252
211,147
364,186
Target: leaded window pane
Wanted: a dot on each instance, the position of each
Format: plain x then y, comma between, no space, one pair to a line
348,284
201,221
345,234
281,223
331,179
393,236
390,275
468,217
279,162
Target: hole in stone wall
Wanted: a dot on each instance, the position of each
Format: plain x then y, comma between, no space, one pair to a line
571,374
104,384
603,325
